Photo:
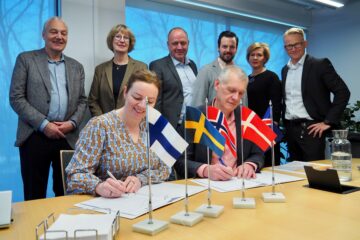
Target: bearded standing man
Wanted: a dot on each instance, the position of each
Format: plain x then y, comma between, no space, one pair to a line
204,84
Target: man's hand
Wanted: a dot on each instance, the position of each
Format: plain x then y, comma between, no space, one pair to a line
219,172
65,127
110,188
318,129
52,131
246,171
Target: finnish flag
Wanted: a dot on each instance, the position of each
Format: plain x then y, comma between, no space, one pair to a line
164,140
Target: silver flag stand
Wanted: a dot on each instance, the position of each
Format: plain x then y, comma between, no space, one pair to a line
209,210
186,218
150,226
243,202
273,197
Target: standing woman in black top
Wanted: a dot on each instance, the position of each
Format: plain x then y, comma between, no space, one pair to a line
107,88
264,85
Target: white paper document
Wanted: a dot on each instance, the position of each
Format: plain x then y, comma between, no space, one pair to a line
133,205
70,223
298,166
262,179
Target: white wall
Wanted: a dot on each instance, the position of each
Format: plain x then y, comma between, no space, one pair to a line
336,34
89,22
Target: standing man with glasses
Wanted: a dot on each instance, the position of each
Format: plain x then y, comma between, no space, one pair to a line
47,92
309,112
177,74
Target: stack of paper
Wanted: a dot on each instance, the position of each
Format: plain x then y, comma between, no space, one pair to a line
298,166
262,179
86,223
136,204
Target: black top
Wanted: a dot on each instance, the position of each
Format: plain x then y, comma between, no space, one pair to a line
118,72
262,88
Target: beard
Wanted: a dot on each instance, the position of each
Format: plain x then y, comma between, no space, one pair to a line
227,58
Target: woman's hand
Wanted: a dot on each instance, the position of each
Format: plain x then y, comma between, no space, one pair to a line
132,184
111,188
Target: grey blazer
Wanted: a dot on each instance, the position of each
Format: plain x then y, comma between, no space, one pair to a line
171,97
30,93
101,97
204,84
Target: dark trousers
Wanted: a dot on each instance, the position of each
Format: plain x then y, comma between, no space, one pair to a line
301,145
268,156
36,155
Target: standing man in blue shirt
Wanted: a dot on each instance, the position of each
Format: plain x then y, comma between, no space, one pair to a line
177,74
47,92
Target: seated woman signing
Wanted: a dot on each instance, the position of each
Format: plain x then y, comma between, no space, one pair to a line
116,142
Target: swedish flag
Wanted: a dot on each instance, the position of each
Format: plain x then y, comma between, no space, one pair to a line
200,130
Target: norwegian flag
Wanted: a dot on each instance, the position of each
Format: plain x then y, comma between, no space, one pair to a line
267,120
218,120
255,130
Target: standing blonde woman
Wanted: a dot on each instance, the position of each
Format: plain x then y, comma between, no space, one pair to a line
264,85
110,77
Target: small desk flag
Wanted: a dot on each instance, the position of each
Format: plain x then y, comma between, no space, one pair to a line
164,140
200,130
267,120
255,130
218,120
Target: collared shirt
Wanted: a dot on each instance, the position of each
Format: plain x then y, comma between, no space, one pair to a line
227,157
58,94
295,108
223,64
187,78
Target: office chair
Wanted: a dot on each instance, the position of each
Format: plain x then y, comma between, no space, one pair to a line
65,157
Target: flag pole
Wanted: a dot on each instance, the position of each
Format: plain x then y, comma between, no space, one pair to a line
150,226
242,202
148,158
242,157
273,196
208,160
186,200
272,151
209,210
186,218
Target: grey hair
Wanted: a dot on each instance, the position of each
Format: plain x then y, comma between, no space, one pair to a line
52,19
224,74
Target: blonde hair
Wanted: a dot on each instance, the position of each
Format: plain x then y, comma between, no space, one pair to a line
295,31
123,29
257,45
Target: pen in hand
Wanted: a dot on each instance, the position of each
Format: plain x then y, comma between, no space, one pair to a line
222,162
110,175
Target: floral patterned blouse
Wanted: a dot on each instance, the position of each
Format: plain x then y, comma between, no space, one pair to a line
105,144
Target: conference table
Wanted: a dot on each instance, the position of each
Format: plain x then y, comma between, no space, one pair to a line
306,214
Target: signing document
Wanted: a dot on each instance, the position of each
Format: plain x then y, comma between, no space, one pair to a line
262,179
133,205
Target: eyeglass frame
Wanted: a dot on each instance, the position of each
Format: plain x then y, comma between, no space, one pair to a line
294,46
121,37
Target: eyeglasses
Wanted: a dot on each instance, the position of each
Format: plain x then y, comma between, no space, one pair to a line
120,37
295,46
